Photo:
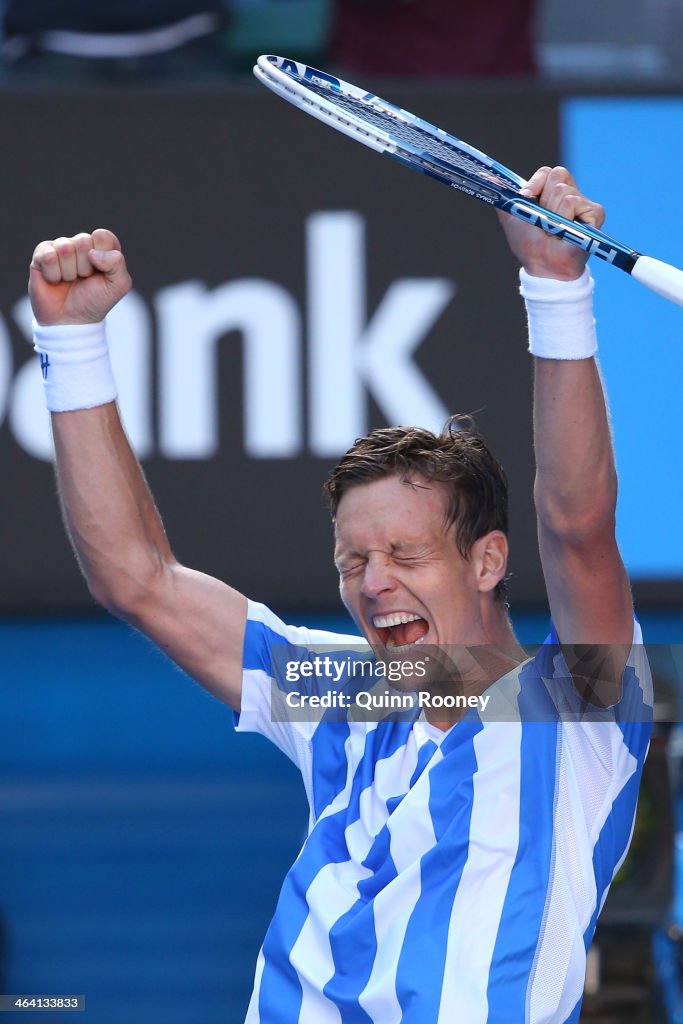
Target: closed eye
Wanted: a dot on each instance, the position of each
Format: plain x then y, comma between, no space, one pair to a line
409,560
348,569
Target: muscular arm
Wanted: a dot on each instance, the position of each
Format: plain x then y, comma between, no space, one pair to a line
576,485
575,494
109,511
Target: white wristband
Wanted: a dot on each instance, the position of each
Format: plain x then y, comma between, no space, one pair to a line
74,359
560,316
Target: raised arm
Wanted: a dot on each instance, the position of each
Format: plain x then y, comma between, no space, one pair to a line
108,509
576,484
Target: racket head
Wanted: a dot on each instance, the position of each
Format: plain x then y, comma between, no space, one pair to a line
416,143
387,128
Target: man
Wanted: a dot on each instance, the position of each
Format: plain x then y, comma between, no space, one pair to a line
452,872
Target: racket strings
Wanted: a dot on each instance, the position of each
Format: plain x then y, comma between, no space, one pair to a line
413,135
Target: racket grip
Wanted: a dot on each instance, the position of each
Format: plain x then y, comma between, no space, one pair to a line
660,277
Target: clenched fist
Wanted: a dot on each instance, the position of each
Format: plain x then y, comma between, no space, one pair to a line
77,280
541,254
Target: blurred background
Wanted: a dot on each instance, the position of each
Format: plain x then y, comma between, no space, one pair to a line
142,844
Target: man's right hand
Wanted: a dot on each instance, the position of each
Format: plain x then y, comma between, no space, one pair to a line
77,280
108,508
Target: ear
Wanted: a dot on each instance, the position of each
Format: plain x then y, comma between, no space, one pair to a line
489,558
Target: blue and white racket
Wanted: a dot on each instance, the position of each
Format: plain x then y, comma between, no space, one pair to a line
416,143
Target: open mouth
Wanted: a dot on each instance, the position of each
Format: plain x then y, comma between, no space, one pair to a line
400,629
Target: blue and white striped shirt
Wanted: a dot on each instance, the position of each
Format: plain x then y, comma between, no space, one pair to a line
447,876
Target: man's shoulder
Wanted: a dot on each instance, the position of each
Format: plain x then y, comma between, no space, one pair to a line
550,686
261,617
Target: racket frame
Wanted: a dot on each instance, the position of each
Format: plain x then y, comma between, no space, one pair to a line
290,80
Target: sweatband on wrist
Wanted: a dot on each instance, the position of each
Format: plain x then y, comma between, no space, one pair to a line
560,316
74,359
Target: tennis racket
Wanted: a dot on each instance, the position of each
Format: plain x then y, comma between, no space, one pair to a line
389,129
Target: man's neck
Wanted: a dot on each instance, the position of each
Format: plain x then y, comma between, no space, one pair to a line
470,669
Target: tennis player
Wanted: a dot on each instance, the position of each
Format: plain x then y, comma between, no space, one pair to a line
456,863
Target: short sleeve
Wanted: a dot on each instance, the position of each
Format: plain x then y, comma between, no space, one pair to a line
632,713
270,644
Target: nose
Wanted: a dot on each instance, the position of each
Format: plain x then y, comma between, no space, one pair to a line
377,577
